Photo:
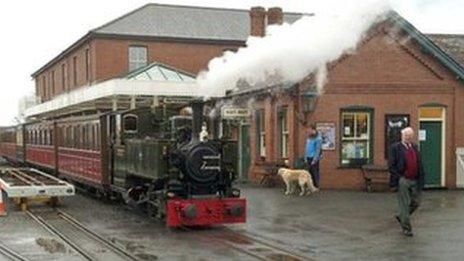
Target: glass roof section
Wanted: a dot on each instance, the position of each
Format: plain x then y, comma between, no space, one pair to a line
160,72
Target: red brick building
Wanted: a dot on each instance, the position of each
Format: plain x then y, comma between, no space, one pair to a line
397,77
183,37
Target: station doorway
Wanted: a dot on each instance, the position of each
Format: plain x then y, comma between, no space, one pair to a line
432,144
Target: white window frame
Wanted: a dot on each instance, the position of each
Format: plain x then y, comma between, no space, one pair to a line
137,59
261,133
284,132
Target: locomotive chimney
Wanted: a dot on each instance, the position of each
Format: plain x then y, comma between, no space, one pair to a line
197,121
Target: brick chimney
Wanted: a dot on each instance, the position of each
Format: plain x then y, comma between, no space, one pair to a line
275,15
257,21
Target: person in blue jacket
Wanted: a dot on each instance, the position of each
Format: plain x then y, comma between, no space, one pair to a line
313,153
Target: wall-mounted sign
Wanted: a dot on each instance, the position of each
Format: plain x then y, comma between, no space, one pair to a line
422,135
235,112
177,100
327,131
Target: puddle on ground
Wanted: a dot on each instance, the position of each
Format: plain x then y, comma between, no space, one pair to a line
237,239
282,257
146,257
259,249
128,245
51,245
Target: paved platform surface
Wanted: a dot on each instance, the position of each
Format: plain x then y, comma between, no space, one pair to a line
330,225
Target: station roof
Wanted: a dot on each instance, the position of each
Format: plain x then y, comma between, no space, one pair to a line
452,44
189,22
160,72
176,22
140,88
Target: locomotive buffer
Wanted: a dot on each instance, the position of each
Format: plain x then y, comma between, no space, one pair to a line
28,184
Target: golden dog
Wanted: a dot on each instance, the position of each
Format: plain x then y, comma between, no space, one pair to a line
302,176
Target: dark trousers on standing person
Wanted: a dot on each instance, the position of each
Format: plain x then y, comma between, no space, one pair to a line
408,201
314,171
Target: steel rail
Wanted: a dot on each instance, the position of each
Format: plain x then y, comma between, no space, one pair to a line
11,254
63,237
231,245
252,237
96,236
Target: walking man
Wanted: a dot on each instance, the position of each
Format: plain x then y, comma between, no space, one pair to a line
313,153
408,176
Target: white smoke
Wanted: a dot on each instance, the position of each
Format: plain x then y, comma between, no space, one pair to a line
292,52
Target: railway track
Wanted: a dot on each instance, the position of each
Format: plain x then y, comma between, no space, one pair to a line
10,254
88,244
251,245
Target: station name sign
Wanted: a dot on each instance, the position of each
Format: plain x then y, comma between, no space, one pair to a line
235,112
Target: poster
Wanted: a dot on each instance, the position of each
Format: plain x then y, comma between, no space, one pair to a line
327,131
422,135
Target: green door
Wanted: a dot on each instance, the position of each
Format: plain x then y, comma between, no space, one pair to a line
431,151
245,155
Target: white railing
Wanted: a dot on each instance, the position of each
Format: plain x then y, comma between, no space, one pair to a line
460,167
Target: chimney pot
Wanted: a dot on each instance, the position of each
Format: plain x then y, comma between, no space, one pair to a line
257,21
275,15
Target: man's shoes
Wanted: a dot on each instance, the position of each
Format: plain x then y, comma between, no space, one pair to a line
407,232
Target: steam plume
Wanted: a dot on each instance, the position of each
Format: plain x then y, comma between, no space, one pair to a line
294,51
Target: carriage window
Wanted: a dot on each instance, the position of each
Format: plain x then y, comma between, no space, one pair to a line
130,123
84,137
97,138
51,137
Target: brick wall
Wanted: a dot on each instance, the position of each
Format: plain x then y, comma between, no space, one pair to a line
388,74
112,55
109,59
63,70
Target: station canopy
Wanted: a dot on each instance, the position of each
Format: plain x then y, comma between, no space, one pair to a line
145,86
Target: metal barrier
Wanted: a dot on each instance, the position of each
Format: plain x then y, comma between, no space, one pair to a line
460,167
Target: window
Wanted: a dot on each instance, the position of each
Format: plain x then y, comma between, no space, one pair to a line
130,123
394,123
137,57
283,132
52,83
44,87
261,133
63,76
75,71
87,65
356,138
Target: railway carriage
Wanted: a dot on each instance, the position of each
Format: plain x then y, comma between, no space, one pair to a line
39,143
81,149
12,143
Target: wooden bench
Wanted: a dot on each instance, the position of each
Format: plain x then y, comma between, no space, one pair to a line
375,174
269,172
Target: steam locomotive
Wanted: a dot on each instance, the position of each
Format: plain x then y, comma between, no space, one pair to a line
150,157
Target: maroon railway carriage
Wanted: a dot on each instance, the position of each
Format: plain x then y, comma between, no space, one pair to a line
12,144
82,150
40,144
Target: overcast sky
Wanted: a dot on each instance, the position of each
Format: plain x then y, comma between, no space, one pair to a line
34,32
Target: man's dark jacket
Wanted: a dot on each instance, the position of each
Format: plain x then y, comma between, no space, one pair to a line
397,164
